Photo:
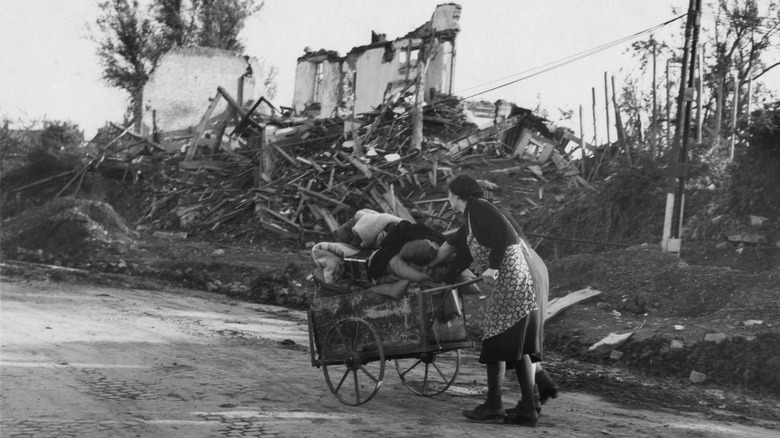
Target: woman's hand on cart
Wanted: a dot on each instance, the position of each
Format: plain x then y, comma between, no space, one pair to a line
490,275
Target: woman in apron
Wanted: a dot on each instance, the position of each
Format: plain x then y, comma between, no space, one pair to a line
511,328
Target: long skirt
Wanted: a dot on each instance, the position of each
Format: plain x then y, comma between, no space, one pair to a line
508,346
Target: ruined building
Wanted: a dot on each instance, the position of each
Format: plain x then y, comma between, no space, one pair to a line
329,85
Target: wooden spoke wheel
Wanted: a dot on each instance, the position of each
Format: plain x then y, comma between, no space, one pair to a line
430,374
353,361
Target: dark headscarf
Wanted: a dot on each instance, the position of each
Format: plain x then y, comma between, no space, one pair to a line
465,187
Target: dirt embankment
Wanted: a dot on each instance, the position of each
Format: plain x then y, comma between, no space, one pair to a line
712,320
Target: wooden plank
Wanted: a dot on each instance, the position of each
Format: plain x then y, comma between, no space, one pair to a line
140,137
201,127
202,164
359,165
277,215
310,163
59,175
118,137
321,196
612,340
397,207
232,102
430,201
557,305
330,222
384,205
285,155
277,229
245,120
509,169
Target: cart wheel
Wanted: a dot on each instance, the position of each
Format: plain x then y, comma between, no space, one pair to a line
353,352
430,374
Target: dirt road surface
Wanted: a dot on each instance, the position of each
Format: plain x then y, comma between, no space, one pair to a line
81,360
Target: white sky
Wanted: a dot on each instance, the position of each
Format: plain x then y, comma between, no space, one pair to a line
48,67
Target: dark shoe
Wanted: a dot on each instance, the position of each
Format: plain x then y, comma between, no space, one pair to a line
522,419
537,404
484,413
547,388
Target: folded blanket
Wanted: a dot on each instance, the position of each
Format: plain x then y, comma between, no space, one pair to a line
328,255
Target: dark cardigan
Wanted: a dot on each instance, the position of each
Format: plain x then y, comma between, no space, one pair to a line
492,228
400,234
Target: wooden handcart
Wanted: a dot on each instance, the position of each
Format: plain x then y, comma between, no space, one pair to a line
352,335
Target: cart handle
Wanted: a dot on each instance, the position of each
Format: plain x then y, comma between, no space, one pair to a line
453,286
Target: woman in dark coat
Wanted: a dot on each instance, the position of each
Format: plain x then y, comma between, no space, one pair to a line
512,325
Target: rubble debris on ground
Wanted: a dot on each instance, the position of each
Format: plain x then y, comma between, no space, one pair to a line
302,178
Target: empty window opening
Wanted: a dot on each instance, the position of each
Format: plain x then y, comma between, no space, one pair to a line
319,74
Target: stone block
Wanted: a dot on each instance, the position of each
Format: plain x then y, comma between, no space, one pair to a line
697,377
715,337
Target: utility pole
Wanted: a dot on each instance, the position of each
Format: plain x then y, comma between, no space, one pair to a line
675,198
699,91
582,146
735,111
749,103
593,108
606,107
654,121
668,106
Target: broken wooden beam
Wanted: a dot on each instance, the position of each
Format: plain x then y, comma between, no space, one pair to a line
204,120
330,222
270,226
245,121
557,305
430,201
59,175
321,196
310,163
359,165
285,155
281,217
612,340
140,137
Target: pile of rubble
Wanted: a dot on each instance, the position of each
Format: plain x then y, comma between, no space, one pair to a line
298,176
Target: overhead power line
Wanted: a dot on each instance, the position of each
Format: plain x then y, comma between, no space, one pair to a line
567,60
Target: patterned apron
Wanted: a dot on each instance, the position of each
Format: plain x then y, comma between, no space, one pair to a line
513,295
